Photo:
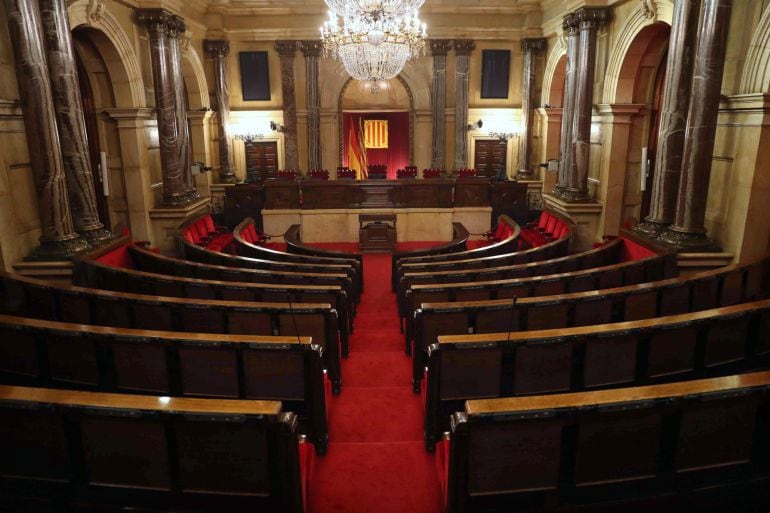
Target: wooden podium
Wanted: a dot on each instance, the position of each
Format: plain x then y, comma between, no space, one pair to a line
377,232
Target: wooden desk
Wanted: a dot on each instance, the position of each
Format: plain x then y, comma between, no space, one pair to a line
377,232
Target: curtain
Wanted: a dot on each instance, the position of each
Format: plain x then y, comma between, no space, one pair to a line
396,155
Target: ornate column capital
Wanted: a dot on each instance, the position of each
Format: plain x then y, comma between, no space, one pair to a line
439,46
464,46
569,24
286,48
176,27
219,47
533,44
591,17
156,20
311,48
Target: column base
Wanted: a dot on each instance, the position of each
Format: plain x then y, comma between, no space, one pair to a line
97,236
177,200
575,196
652,228
695,242
524,174
57,249
227,177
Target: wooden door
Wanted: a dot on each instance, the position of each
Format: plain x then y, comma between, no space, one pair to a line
652,141
262,157
489,157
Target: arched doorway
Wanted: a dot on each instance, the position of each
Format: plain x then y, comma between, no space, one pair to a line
377,122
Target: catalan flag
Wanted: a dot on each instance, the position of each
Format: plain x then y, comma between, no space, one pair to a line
356,151
376,133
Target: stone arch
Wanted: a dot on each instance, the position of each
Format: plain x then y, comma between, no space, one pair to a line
115,48
554,75
756,70
412,115
195,79
641,63
656,11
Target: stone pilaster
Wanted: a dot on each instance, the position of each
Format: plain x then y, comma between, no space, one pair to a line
157,22
58,239
463,50
688,231
439,49
568,109
176,31
312,51
673,120
530,48
220,49
71,123
589,20
286,51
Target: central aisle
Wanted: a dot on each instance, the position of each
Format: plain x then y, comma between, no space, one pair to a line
376,461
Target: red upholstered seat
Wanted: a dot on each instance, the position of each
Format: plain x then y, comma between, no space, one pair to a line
220,242
118,257
208,222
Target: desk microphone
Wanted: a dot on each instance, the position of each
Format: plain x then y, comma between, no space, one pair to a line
510,319
293,318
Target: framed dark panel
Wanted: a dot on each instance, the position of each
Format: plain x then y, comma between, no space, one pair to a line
255,76
495,73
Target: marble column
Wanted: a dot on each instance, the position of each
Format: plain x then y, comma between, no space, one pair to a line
58,239
530,48
688,231
463,50
673,119
176,30
568,109
589,20
220,49
157,22
286,51
312,51
439,49
71,123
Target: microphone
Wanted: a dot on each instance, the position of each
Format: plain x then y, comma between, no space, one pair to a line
510,319
293,317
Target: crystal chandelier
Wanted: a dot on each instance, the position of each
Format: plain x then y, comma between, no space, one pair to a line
375,44
369,6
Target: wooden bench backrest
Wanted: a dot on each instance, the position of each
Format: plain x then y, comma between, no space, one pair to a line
687,346
149,451
62,355
593,448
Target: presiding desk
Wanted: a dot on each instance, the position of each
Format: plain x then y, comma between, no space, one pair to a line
328,210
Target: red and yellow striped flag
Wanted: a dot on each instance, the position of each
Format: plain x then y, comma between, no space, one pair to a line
376,133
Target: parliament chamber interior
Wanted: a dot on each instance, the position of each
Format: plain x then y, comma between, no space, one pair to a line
441,256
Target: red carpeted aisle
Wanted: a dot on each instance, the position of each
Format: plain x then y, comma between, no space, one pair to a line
376,462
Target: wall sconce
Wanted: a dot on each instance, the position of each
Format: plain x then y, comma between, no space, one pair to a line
475,126
277,127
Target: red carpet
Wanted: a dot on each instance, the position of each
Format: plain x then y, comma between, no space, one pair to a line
376,461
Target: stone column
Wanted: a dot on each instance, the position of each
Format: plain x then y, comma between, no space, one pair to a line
673,120
530,47
157,22
463,50
176,29
439,49
568,109
71,122
312,50
220,49
286,51
688,231
58,239
589,20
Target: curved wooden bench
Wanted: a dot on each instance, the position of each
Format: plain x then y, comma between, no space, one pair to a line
695,345
94,275
93,451
694,446
507,245
26,297
653,268
711,289
245,248
53,354
458,243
